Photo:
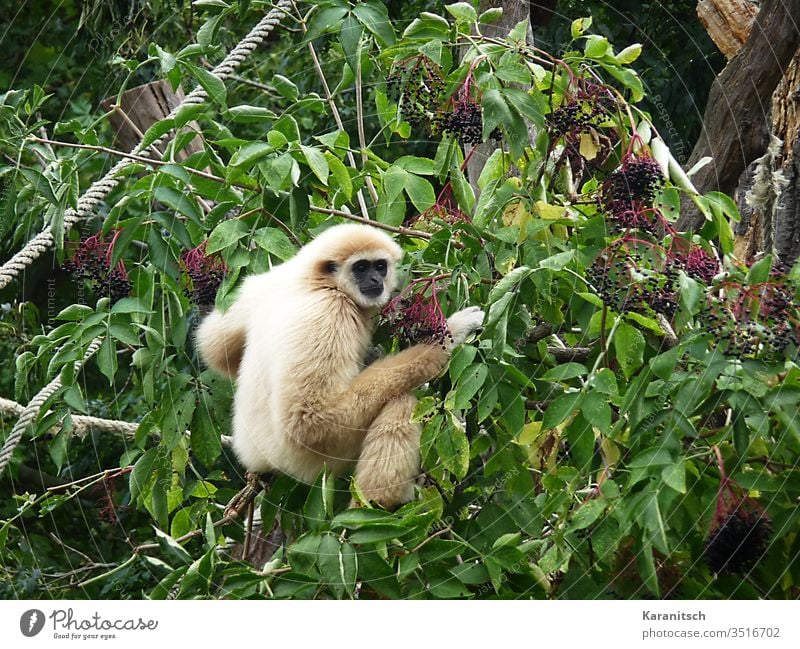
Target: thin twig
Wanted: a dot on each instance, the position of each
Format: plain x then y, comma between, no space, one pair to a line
376,224
139,158
233,511
362,140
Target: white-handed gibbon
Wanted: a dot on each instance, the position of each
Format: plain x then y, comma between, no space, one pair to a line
296,338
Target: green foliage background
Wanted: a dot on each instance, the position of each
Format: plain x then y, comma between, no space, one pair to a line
582,479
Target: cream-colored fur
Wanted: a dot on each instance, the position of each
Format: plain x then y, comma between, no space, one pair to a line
295,338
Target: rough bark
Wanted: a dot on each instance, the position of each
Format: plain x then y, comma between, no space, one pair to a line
141,107
728,23
736,125
768,194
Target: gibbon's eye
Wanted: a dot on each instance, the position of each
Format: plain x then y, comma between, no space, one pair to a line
361,266
380,266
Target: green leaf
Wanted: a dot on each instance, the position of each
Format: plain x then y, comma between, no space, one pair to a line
453,447
316,160
564,372
303,553
142,472
759,271
690,294
462,357
130,305
205,437
664,364
561,408
378,533
285,87
356,518
275,242
249,153
509,282
212,84
596,411
629,54
225,235
596,46
75,312
725,204
416,165
586,514
674,476
244,114
490,15
428,26
181,202
647,568
328,562
495,110
579,26
468,385
375,17
629,347
340,175
558,261
463,12
656,456
420,191
107,359
325,20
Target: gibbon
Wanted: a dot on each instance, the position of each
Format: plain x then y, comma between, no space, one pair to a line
296,338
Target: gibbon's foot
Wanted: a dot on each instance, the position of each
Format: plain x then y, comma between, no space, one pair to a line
462,323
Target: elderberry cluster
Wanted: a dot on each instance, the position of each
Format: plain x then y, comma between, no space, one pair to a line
91,261
753,321
588,107
416,85
738,541
625,285
628,193
465,122
204,274
416,319
700,264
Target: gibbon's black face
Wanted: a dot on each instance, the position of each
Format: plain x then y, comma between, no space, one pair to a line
369,276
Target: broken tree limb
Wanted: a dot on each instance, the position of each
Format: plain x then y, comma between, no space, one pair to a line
736,123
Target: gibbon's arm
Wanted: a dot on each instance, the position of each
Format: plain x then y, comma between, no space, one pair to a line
221,338
387,379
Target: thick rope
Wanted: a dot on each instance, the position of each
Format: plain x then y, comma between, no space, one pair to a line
81,424
30,411
99,189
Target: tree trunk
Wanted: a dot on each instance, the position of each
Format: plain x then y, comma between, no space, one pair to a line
514,11
767,191
141,107
737,125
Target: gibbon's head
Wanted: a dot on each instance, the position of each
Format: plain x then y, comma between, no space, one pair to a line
358,260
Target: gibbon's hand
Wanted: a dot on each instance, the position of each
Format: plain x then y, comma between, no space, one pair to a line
462,323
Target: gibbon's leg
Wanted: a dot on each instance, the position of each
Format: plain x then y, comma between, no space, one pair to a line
350,412
221,339
389,459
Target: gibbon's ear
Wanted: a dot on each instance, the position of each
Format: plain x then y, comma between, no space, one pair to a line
331,267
